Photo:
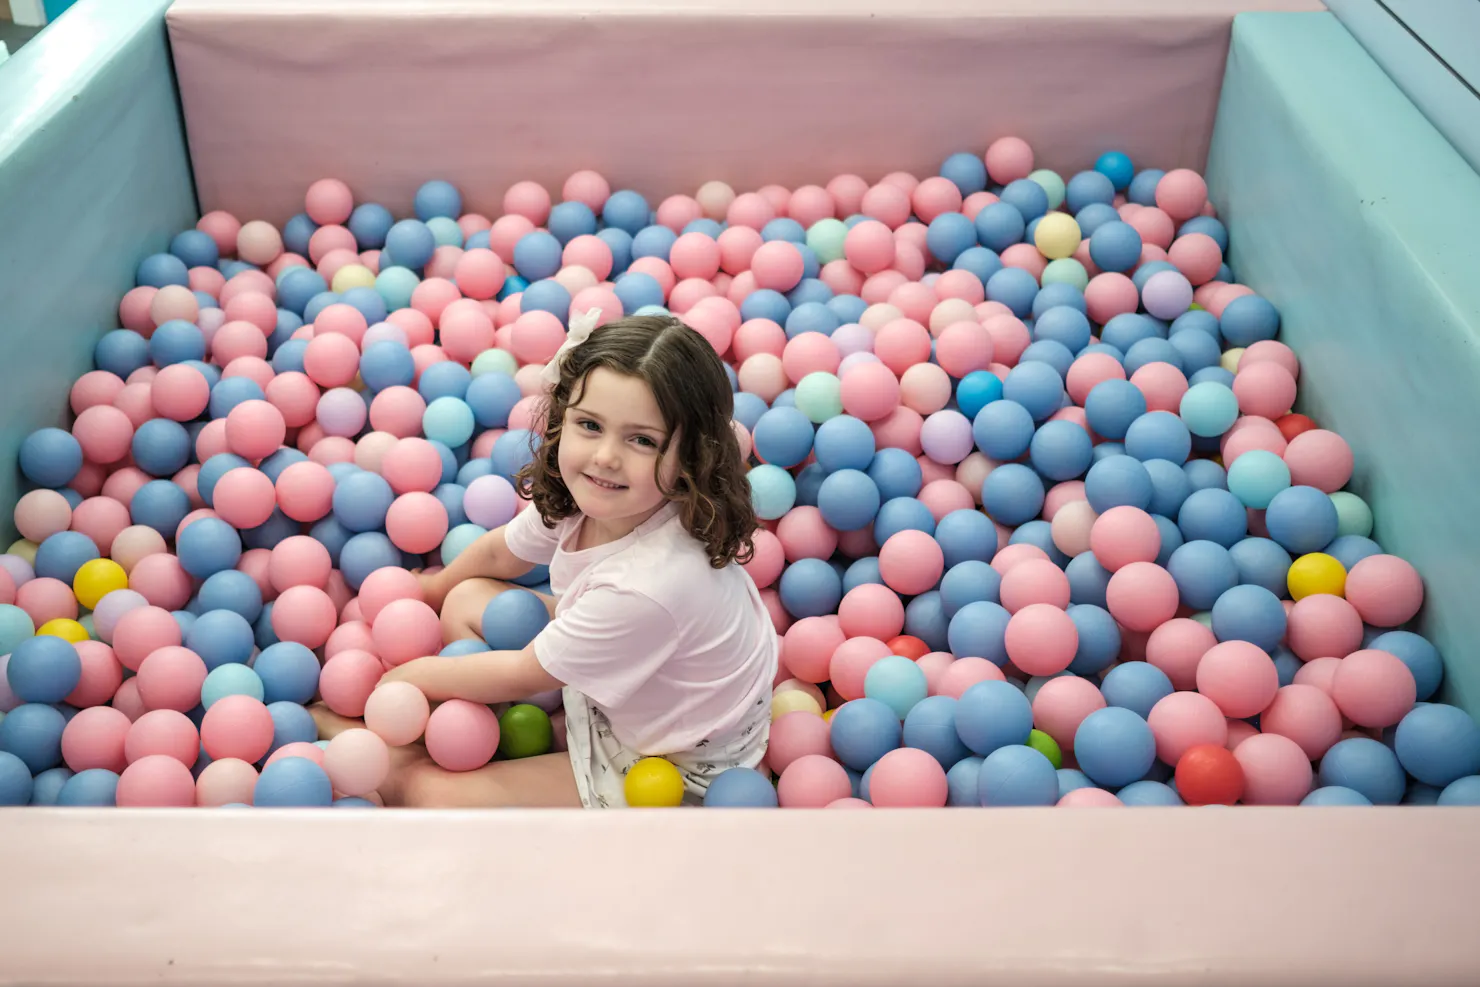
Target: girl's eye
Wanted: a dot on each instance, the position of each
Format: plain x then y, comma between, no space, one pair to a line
588,425
643,440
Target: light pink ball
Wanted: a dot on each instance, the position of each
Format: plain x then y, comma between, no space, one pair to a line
1008,159
1306,715
1276,770
299,561
1385,589
126,700
94,738
305,491
1176,647
911,562
1071,527
357,762
44,598
870,391
1110,294
1142,596
385,586
301,748
170,678
805,535
1181,194
237,726
347,680
42,513
1084,798
1240,677
141,631
305,615
1162,385
963,673
797,734
101,675
1265,389
244,497
1061,705
848,803
908,778
462,735
1034,581
1041,639
1184,720
1373,688
871,610
850,664
156,780
405,629
225,781
813,781
1318,458
1322,626
1123,535
397,712
162,731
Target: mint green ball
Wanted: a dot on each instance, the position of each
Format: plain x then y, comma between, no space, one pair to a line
460,538
773,491
1256,476
86,620
819,396
448,420
1052,184
395,285
897,682
15,626
1066,270
1353,516
445,231
1204,617
230,679
495,361
826,239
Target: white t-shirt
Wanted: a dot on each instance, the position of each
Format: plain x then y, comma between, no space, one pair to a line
673,650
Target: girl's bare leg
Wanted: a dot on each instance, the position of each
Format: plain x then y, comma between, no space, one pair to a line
462,611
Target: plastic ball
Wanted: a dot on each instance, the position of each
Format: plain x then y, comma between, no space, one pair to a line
397,712
653,782
908,778
462,735
525,731
740,788
1209,774
1017,775
292,782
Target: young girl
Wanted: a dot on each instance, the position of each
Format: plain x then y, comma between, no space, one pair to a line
658,640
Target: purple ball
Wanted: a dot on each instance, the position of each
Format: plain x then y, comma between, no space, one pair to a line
946,437
1167,294
853,338
20,570
490,501
342,411
111,608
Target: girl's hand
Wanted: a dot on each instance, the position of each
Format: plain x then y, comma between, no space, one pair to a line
417,671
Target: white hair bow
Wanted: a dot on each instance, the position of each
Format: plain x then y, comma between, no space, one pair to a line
581,327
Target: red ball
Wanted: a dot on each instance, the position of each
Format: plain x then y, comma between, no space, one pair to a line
909,646
1293,424
1209,774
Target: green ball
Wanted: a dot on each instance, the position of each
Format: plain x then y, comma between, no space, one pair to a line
1066,270
525,731
1047,746
445,231
1204,617
819,396
826,239
395,285
495,361
230,679
1052,184
1353,516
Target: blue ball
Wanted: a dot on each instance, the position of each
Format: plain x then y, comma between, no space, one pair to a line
896,473
120,352
1012,494
636,289
16,784
1036,386
1088,580
1088,187
811,317
626,210
1213,515
365,552
1421,657
361,501
979,628
1158,435
196,248
1169,487
1203,571
1248,319
1115,246
1461,791
1111,406
848,500
93,787
653,241
208,546
33,733
47,786
291,724
1063,324
930,726
446,379
1003,430
1012,286
229,392
1335,795
925,618
176,341
1099,639
809,484
50,457
864,570
1200,354
547,295
289,672
999,226
1015,774
902,514
1142,189
1261,562
1351,549
1061,450
962,783
160,270
949,235
161,505
1028,196
437,198
967,171
537,255
810,588
981,261
1250,613
411,242
1435,743
234,590
293,782
783,437
1366,766
60,555
1117,481
740,788
44,669
967,582
370,223
512,619
1116,166
993,714
1114,746
1136,686
1302,519
966,534
388,363
1149,793
765,303
492,397
844,443
862,731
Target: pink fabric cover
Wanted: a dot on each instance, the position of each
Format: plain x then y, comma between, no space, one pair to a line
663,95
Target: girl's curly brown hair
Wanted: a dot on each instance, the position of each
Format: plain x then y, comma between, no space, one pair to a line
693,393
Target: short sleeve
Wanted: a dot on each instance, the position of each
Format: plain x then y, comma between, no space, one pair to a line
608,643
528,538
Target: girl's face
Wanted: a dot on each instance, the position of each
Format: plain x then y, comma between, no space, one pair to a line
609,444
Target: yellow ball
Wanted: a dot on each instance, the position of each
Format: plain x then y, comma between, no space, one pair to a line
1316,573
791,701
25,549
67,630
96,579
353,276
653,783
827,717
1230,359
1057,236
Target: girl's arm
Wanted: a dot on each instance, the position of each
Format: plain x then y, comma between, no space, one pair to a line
486,677
488,557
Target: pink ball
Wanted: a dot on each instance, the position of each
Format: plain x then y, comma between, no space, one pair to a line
397,712
416,522
225,781
301,748
1197,256
1306,715
1184,720
1386,590
1089,370
101,675
1240,677
1181,194
1032,582
126,700
797,734
94,739
908,778
964,347
777,265
1041,638
812,781
1276,770
156,780
1142,595
140,632
1266,389
299,561
40,514
255,430
1009,557
944,496
807,647
935,195
1008,159
244,497
44,598
295,396
1123,535
353,634
911,562
1062,704
347,680
305,491
170,678
963,673
305,615
357,762
870,391
1176,647
162,731
237,726
162,581
1110,294
850,664
805,535
331,359
397,410
848,803
329,201
105,434
1318,457
101,519
1373,688
1072,526
1087,798
385,586
1323,626
461,735
810,352
405,629
871,610
901,344
869,246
